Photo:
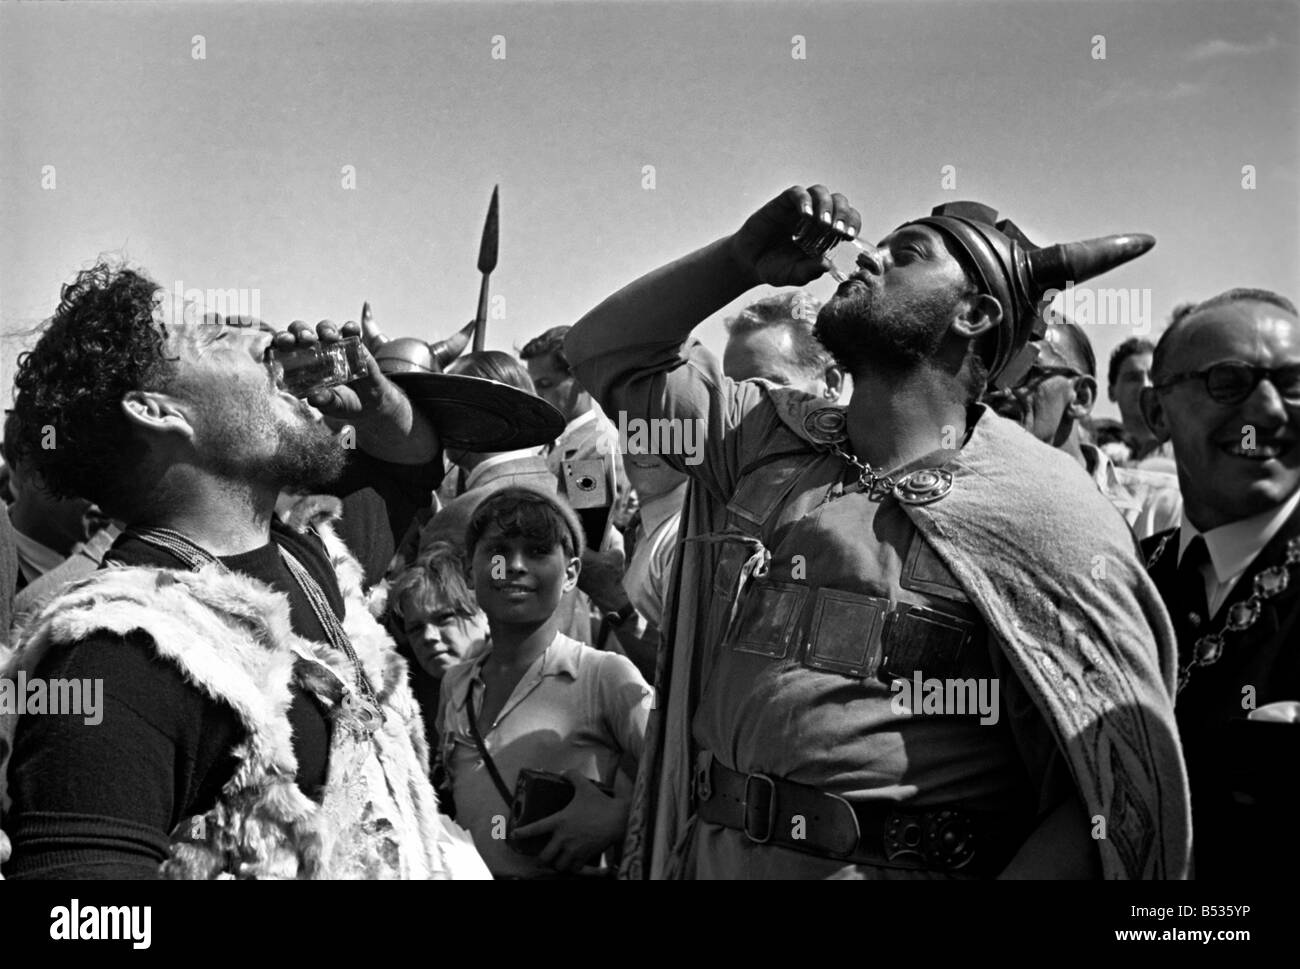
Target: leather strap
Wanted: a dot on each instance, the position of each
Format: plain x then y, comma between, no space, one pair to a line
771,810
506,794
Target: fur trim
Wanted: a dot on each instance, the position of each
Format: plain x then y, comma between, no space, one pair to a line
230,636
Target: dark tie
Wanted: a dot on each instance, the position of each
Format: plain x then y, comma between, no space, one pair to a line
631,535
1191,583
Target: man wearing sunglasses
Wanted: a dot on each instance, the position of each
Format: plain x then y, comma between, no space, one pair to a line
1226,391
1051,402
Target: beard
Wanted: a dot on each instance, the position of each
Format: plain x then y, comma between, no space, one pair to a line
859,328
247,443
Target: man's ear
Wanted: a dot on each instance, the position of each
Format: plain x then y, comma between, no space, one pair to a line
976,315
156,413
1085,397
1153,412
571,572
834,380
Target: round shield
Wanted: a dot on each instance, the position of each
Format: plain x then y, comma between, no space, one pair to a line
474,414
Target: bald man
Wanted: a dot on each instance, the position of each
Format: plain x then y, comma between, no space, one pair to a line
772,339
1226,391
1052,401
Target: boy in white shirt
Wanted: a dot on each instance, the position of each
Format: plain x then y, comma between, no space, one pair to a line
539,699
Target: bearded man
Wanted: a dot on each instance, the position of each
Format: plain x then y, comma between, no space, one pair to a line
255,721
856,568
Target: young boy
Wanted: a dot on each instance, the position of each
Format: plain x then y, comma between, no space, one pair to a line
434,608
540,699
437,624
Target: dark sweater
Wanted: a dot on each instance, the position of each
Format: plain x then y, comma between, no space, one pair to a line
8,574
100,801
380,501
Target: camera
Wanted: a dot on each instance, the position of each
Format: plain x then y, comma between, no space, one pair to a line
539,794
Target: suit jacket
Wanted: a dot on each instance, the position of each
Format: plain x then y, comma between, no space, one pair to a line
1243,772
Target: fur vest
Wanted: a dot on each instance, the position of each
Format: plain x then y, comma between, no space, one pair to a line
231,638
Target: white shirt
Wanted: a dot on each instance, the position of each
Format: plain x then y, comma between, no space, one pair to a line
647,573
1233,547
1149,500
575,707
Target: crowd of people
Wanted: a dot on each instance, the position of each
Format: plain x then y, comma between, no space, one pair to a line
892,604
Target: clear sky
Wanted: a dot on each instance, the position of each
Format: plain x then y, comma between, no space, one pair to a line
227,171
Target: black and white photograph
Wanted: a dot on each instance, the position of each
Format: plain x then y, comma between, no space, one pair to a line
602,441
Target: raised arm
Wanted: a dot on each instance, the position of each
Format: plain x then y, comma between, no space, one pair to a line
631,351
662,307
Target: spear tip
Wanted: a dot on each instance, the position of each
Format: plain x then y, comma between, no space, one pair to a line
487,253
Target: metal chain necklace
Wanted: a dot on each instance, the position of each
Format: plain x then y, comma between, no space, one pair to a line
1242,615
195,557
1160,549
875,483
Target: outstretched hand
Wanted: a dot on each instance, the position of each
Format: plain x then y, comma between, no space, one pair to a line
764,245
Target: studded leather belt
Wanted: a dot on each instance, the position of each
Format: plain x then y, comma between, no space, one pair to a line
771,810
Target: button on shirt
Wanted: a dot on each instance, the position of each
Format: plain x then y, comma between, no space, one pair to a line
575,708
1233,547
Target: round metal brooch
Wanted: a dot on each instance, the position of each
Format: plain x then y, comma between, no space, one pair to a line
923,486
826,425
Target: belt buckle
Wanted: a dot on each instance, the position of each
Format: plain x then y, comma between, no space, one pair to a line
943,840
951,840
903,838
750,813
703,781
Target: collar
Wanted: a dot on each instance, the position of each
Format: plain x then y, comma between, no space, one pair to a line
580,420
1233,546
475,476
34,558
1100,466
659,509
563,656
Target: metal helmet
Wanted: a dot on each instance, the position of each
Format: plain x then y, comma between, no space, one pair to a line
1018,274
407,354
